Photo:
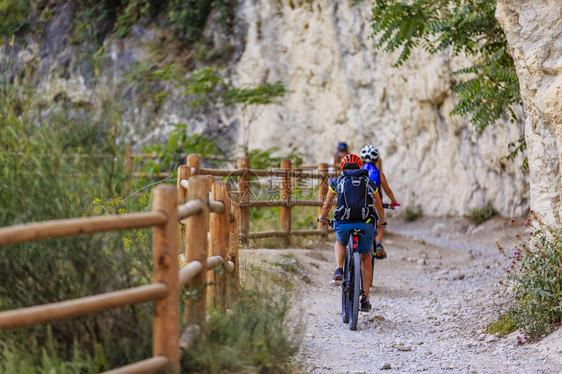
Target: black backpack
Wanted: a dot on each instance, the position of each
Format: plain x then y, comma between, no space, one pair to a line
355,197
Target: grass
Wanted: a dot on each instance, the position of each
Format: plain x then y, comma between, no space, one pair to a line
533,279
261,335
411,215
32,358
481,215
267,219
504,324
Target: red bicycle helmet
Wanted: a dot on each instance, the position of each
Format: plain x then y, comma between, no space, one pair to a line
351,159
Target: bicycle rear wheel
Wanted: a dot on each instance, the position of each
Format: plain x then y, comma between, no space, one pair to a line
355,290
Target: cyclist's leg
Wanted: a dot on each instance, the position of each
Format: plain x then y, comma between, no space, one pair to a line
365,248
380,233
342,238
366,272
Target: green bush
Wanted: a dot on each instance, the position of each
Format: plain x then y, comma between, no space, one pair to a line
48,173
504,324
14,16
258,336
34,358
480,215
412,214
534,278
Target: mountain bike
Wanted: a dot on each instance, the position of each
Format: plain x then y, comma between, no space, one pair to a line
351,282
351,285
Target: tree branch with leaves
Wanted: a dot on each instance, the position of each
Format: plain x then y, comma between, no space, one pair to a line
463,27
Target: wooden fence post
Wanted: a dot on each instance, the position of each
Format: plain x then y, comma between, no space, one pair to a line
184,172
322,192
244,197
234,244
193,162
220,233
285,215
196,248
166,326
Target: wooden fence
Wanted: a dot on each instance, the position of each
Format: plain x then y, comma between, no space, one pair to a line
202,205
199,215
286,200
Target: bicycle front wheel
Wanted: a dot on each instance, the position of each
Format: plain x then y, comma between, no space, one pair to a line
355,288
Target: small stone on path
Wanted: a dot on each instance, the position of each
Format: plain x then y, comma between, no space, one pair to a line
386,366
402,347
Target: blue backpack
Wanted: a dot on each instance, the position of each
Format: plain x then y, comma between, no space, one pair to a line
355,197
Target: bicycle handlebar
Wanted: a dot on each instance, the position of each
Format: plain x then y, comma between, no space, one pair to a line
326,222
390,206
331,222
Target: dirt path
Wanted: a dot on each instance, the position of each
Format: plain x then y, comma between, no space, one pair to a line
433,295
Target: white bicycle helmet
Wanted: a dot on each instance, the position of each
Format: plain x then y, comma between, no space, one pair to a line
370,153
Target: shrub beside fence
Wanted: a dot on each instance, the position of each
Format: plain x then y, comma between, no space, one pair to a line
201,205
168,278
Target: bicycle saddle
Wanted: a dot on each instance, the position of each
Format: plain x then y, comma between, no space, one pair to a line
357,232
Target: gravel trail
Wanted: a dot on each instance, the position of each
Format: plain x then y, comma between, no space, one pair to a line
433,296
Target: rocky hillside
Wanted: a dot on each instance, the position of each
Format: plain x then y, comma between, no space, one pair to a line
341,89
534,34
344,90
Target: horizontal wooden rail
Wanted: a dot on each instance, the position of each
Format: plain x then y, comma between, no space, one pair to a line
74,226
184,183
292,173
307,232
274,203
145,366
230,266
263,173
274,233
90,304
214,261
266,234
216,206
189,271
222,172
195,267
190,209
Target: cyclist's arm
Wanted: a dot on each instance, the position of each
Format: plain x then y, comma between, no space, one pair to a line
378,206
386,188
328,202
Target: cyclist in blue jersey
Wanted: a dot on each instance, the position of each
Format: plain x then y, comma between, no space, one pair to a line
371,156
359,207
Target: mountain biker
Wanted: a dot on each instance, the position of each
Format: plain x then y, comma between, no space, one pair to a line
349,184
340,153
371,162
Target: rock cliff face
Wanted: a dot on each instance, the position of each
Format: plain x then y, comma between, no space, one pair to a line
534,34
342,89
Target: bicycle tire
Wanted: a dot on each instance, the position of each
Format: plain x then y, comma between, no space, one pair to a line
372,266
344,292
355,288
